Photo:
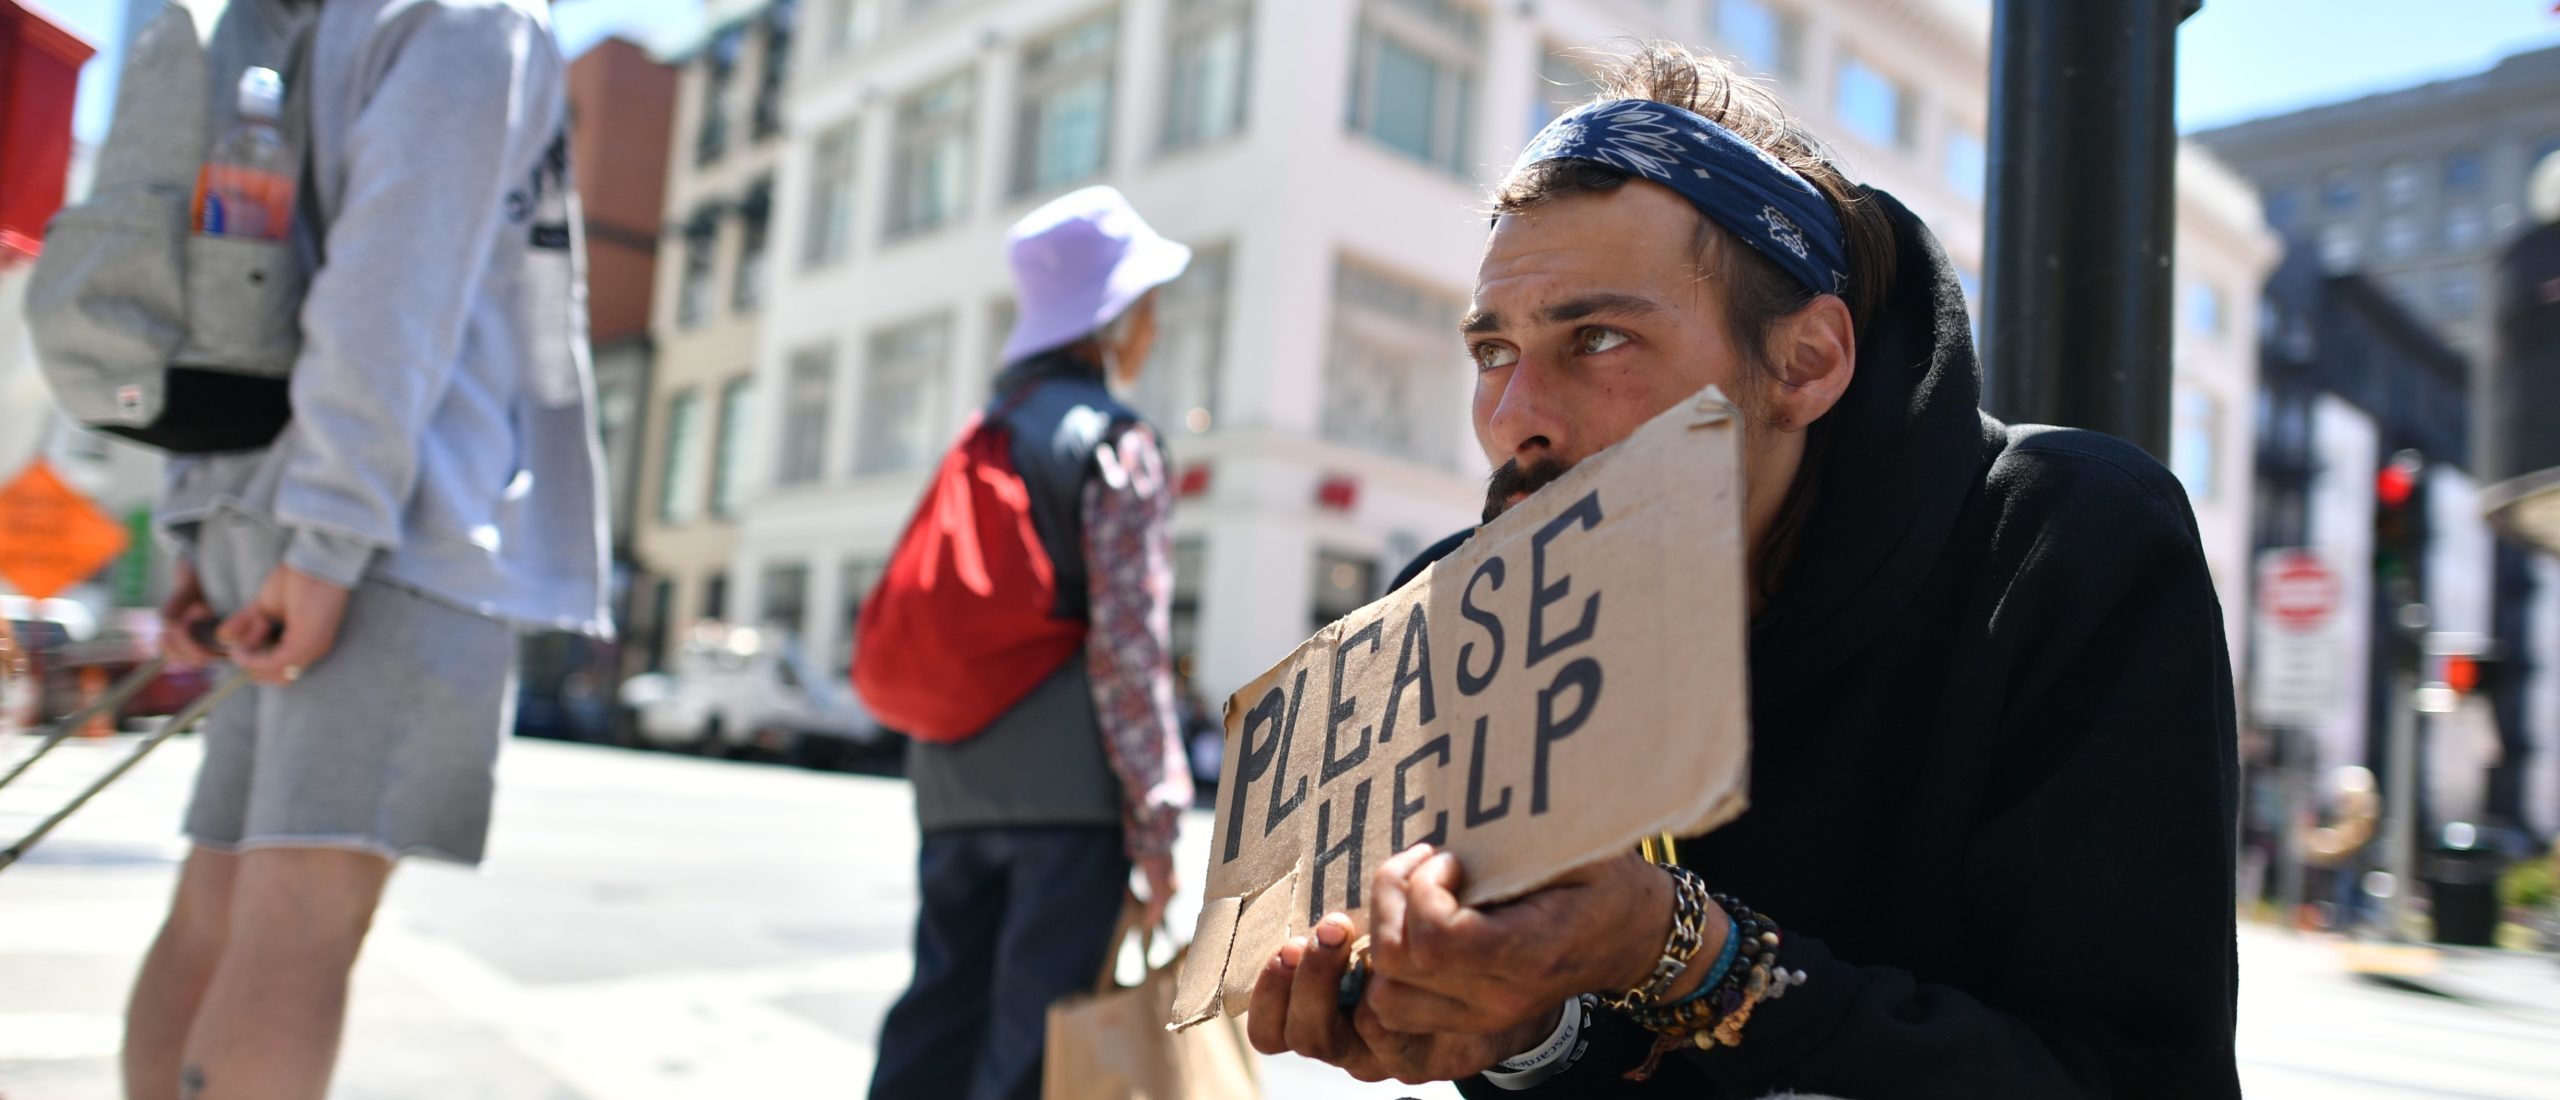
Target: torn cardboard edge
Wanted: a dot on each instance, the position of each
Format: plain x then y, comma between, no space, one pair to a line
1622,653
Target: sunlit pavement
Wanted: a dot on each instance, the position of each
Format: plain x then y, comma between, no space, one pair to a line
654,926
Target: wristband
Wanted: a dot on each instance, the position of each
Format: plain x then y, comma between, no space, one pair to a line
1543,1062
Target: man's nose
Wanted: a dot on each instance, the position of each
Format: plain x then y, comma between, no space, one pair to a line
1528,420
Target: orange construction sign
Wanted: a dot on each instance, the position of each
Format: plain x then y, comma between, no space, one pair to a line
51,537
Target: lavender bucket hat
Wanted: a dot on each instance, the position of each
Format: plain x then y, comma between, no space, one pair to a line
1078,263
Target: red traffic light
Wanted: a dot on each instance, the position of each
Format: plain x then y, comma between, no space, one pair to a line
2461,673
2397,481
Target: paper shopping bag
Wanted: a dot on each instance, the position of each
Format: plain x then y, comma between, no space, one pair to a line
1112,1044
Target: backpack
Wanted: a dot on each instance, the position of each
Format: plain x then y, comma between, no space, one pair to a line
144,328
961,625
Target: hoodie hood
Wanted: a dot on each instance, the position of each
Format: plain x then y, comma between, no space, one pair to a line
1906,445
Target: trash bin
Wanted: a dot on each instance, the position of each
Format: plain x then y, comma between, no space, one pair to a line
2462,892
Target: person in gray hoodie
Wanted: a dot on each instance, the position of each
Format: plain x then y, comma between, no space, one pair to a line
436,492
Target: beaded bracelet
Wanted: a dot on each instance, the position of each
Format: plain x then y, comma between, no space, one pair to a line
1716,1014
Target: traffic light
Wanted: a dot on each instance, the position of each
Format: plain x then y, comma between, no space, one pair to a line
2399,530
2470,673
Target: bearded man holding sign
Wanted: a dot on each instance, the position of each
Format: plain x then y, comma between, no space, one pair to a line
1988,844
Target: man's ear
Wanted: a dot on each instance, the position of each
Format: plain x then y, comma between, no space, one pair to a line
1815,354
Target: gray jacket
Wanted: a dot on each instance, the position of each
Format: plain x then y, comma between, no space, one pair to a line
444,431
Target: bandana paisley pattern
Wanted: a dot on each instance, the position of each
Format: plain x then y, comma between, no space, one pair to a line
1740,186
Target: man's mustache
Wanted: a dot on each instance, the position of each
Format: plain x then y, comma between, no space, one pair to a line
1513,479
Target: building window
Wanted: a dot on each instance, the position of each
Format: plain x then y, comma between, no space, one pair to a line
1968,163
852,24
2204,310
720,71
1344,583
2401,182
680,478
755,224
828,234
1179,390
1413,78
1000,329
2195,421
728,474
1873,106
1212,62
2399,237
855,577
2339,247
776,78
1761,37
2457,294
715,596
2464,228
1063,131
902,385
2462,172
701,268
807,396
1395,381
785,598
2284,207
931,180
1562,86
2339,193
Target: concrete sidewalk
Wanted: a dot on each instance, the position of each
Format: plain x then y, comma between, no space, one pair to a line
647,927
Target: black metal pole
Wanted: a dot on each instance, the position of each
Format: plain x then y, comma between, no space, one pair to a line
2082,209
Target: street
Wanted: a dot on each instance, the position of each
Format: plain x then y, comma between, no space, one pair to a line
655,926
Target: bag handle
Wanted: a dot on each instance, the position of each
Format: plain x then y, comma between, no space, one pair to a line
1132,922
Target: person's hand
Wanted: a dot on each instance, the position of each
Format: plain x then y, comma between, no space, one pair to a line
1296,1008
181,615
1161,883
287,629
1442,967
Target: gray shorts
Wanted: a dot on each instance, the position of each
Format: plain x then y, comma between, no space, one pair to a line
387,745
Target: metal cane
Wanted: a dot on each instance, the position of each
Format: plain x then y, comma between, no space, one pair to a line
203,705
113,698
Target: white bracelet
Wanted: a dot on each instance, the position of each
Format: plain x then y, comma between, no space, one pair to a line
1543,1062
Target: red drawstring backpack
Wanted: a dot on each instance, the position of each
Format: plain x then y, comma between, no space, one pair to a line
961,626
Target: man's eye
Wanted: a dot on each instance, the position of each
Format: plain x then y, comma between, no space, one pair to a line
1495,356
1593,341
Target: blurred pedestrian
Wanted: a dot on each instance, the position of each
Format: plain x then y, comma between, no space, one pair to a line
436,491
1031,823
1989,846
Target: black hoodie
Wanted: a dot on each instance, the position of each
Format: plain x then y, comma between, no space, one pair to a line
1993,761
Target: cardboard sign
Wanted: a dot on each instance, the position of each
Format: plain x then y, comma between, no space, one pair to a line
1568,683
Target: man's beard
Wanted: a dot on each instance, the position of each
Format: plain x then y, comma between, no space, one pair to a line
1513,479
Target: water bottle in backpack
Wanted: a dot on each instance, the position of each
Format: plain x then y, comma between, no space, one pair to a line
247,188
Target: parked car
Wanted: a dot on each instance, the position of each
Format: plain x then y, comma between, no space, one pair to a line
17,683
739,692
68,657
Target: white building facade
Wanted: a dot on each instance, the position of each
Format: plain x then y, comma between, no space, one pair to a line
1328,159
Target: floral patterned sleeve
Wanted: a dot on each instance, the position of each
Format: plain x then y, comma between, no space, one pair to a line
1128,551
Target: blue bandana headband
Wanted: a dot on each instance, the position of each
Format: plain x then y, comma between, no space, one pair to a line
1745,190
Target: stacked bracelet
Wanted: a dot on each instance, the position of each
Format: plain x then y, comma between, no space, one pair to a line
1690,902
1747,973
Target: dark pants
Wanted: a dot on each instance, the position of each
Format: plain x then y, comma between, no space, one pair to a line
1012,919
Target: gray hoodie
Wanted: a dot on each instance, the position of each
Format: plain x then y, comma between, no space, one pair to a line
443,434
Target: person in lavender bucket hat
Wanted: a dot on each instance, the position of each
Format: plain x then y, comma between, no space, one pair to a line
1031,826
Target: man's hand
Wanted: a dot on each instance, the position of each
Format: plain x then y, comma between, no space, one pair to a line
287,629
1161,883
1296,1008
1445,968
181,615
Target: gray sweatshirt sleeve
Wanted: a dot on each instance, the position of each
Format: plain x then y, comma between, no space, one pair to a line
463,100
